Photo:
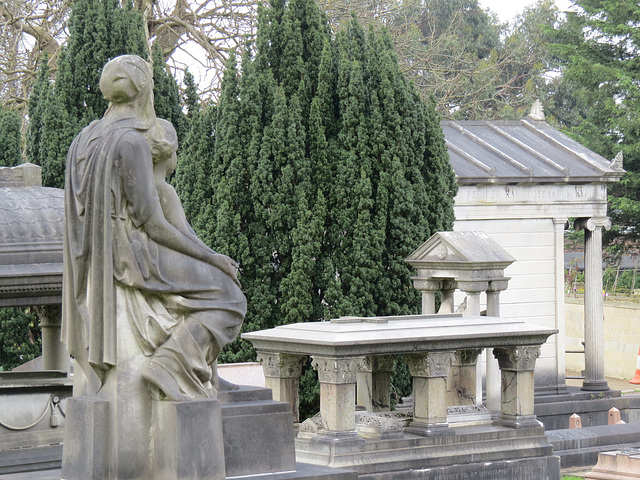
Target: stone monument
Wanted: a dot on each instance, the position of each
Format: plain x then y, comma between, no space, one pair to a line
147,307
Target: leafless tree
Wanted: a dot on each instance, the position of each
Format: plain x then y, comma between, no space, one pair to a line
198,34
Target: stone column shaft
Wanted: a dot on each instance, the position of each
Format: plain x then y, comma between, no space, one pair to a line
517,365
374,383
337,392
428,288
429,371
54,352
493,378
282,375
593,304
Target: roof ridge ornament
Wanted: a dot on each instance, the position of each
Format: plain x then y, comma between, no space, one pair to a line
617,162
537,111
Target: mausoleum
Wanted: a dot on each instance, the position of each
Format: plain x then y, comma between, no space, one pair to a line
521,182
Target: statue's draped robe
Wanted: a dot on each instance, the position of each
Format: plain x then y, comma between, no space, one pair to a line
109,194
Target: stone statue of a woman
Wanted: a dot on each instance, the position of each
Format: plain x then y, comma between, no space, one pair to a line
125,262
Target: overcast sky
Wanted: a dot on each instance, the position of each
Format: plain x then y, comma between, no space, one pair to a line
507,9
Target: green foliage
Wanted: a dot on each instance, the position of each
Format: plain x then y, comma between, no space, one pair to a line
20,337
9,138
598,97
99,30
320,171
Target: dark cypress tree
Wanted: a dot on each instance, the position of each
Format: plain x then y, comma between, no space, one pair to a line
327,171
191,99
9,138
99,31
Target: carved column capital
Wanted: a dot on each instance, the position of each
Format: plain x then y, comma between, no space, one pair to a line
473,286
430,364
517,359
467,357
281,365
337,370
592,223
378,363
449,284
498,285
49,315
426,284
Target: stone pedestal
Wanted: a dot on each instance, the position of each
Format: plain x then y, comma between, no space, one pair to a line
618,465
282,375
429,371
187,441
338,378
86,440
258,433
461,388
517,365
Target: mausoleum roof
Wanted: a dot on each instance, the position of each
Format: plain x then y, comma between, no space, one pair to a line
31,230
523,151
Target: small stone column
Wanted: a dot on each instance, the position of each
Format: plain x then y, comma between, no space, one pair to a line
282,375
517,365
54,353
593,303
428,288
462,384
374,383
493,370
429,371
337,393
448,290
473,288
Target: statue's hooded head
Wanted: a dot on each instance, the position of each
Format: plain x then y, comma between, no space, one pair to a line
127,83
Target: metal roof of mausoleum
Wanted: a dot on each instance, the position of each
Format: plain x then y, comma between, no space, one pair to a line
523,151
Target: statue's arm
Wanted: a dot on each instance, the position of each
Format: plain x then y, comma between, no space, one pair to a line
145,210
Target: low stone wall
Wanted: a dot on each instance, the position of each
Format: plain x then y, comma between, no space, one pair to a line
622,336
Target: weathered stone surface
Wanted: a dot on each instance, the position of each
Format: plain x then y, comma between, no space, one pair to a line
258,437
616,465
186,441
86,444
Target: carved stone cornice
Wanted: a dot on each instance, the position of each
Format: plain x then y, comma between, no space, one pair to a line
431,364
281,365
473,286
518,359
592,223
337,370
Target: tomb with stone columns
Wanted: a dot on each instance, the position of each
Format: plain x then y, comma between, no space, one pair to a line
32,403
428,442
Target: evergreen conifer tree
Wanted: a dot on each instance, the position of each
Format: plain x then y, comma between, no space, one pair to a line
99,31
327,170
9,138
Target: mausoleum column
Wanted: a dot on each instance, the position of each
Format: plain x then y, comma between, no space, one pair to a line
473,289
282,375
54,353
429,371
374,383
337,392
428,288
593,303
448,289
517,389
493,370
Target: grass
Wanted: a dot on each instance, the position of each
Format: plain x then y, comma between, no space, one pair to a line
572,478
